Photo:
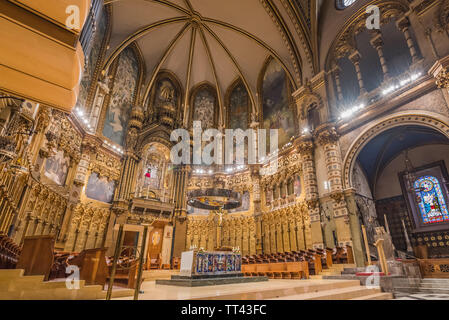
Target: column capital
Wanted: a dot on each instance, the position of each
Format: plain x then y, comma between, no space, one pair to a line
440,71
355,57
377,40
327,136
403,23
443,79
349,192
305,146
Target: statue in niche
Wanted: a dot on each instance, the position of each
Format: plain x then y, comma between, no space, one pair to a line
165,99
166,92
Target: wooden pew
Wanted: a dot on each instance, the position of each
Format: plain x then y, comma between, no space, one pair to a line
37,255
328,256
248,269
264,270
279,270
298,270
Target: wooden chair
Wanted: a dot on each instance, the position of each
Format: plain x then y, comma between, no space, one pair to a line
176,263
154,261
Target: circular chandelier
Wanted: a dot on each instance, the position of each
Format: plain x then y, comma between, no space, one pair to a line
214,199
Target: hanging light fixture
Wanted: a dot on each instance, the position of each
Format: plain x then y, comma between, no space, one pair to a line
409,173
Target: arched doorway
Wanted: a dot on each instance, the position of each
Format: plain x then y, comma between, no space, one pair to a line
399,171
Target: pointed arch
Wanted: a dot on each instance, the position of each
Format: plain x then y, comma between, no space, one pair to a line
179,92
237,83
205,85
287,131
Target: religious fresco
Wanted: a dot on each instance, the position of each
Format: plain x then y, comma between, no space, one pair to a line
238,108
92,61
56,168
276,111
122,97
204,108
431,202
100,188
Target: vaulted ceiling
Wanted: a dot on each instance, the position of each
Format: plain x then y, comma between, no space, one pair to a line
216,41
376,155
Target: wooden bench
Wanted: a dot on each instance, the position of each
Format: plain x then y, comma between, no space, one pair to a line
278,270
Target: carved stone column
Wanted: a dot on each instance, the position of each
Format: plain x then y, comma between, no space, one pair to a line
403,25
306,150
355,59
180,214
346,231
359,254
336,72
377,43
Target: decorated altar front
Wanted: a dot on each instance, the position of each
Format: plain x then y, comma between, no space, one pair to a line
205,263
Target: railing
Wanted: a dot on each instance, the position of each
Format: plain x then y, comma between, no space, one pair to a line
434,268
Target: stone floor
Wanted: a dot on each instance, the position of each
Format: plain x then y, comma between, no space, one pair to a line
280,289
424,296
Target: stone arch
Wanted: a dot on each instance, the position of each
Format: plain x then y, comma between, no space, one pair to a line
414,117
344,42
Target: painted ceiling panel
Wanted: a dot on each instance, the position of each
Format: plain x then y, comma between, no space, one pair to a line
245,28
154,45
128,16
224,67
177,60
201,67
249,15
250,57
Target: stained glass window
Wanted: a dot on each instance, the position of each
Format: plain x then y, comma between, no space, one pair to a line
430,200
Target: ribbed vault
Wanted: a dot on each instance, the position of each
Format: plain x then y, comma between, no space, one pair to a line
207,41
